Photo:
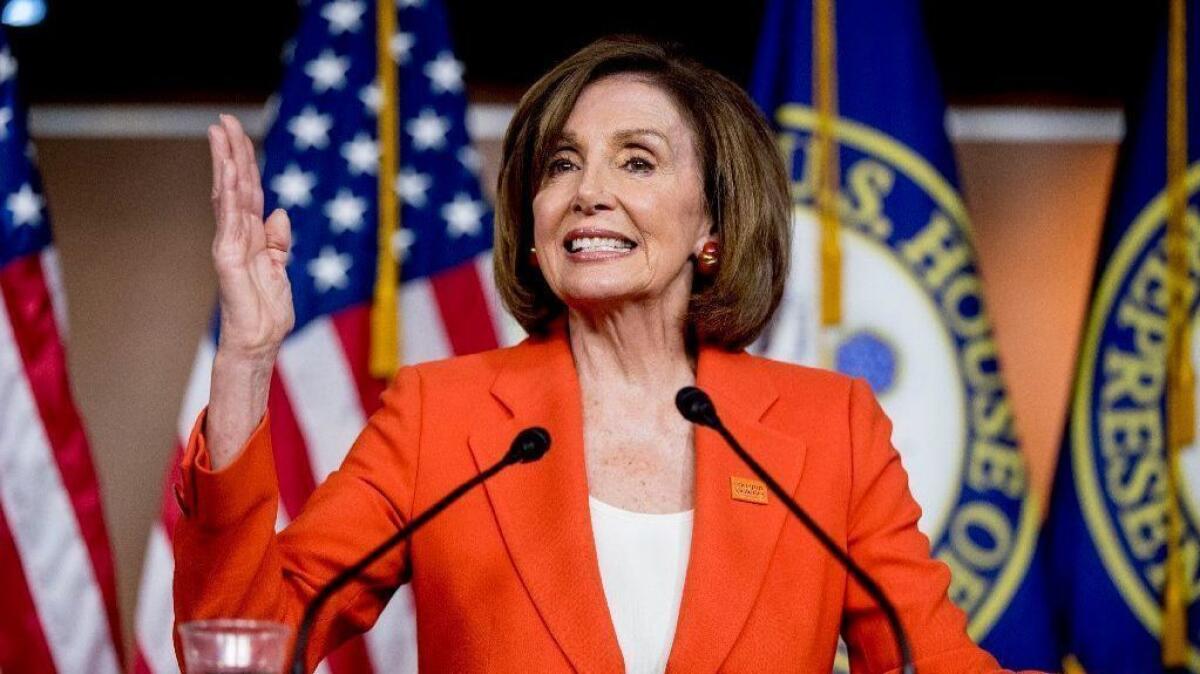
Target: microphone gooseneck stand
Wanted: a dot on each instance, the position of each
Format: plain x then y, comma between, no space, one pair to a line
698,408
529,445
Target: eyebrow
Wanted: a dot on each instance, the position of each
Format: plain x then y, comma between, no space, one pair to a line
567,138
629,134
622,136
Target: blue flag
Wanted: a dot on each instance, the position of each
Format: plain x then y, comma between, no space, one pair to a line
913,320
1108,522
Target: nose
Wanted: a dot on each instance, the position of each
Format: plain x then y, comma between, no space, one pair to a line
592,194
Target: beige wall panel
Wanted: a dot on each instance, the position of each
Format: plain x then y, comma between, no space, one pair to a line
1037,210
132,225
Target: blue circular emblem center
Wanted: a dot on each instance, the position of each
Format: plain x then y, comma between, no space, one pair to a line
864,354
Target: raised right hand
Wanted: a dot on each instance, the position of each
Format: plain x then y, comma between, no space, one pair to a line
250,255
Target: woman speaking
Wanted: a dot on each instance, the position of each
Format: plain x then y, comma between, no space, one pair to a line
642,239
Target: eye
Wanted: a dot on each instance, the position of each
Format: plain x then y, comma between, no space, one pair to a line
559,165
639,164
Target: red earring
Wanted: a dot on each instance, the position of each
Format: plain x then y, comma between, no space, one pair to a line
533,261
709,258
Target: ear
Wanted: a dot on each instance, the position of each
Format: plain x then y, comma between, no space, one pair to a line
705,232
705,239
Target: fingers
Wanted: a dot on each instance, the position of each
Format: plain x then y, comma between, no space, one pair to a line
279,232
238,201
224,190
249,183
233,129
228,214
218,146
254,177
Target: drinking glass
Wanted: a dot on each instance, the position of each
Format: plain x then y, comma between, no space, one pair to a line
229,646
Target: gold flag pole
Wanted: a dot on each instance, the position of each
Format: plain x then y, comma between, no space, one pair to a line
826,164
1180,377
386,329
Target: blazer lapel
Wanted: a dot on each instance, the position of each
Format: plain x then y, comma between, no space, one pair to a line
732,541
542,508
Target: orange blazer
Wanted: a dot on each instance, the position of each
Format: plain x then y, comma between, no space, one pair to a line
506,580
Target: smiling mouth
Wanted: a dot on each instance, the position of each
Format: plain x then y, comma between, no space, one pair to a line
583,243
598,244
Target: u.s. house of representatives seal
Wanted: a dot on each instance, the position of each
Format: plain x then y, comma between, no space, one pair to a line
913,325
1118,420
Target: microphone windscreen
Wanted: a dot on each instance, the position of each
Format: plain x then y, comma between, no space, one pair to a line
530,444
695,406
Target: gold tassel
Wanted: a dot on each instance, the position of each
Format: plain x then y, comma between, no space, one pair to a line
1072,666
1186,410
385,315
827,168
1180,378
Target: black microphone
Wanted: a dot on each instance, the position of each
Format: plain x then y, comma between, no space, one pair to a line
698,408
529,445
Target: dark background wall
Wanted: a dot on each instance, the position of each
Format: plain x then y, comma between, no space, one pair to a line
1021,51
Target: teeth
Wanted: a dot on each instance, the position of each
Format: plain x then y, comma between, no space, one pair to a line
598,244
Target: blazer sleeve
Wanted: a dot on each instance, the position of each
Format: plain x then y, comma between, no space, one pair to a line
883,538
229,562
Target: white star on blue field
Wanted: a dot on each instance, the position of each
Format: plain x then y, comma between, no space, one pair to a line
322,154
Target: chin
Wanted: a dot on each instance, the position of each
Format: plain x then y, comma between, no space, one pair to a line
597,284
593,299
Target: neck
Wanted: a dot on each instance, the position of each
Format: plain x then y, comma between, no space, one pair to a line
641,345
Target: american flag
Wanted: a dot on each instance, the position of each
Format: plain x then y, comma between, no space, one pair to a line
321,164
58,604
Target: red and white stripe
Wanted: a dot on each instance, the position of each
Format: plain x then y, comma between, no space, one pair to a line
321,396
59,607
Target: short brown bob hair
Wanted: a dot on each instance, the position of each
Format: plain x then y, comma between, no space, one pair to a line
745,186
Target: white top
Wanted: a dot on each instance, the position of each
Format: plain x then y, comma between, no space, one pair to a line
643,558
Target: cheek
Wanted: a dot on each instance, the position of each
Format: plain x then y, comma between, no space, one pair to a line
670,219
548,206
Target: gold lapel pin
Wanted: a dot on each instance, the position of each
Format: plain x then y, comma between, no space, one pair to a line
750,491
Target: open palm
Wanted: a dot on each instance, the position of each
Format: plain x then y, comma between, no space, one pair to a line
250,254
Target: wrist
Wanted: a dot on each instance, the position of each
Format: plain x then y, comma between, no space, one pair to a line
237,402
244,363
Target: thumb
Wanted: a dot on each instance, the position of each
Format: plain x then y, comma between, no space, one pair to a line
278,229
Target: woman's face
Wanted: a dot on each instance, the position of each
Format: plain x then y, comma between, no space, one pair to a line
620,207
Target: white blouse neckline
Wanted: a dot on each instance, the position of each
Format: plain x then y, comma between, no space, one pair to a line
643,560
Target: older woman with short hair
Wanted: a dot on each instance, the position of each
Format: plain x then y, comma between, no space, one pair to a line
642,238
